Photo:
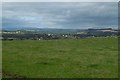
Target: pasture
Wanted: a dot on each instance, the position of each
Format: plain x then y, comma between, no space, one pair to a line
67,58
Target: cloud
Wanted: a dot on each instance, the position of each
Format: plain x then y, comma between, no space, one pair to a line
60,0
60,14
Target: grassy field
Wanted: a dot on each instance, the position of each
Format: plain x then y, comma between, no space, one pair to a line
68,58
0,59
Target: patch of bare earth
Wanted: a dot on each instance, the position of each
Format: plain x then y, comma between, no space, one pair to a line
9,75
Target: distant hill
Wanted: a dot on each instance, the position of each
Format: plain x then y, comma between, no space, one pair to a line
45,30
55,30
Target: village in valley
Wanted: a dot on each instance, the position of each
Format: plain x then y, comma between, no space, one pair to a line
47,34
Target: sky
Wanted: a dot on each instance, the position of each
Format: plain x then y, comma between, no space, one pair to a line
60,0
66,15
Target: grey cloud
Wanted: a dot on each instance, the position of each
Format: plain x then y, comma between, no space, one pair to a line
61,15
61,1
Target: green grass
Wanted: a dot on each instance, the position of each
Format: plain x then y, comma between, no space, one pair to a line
68,58
0,59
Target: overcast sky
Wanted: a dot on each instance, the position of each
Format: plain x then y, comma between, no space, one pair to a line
70,15
60,0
